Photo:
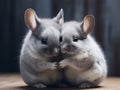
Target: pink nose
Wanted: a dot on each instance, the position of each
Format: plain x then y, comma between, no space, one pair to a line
65,49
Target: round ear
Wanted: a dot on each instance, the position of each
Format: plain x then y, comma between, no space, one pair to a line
88,24
60,17
31,19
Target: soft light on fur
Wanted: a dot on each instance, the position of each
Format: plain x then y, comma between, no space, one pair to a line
40,47
84,63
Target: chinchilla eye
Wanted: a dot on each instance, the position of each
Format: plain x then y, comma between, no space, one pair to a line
82,38
60,39
75,39
43,40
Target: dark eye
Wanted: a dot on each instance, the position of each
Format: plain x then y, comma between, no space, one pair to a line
60,39
82,38
75,39
43,40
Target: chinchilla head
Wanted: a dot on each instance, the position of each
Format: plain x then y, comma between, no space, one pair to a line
45,33
74,35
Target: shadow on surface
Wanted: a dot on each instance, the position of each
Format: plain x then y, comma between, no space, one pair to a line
32,88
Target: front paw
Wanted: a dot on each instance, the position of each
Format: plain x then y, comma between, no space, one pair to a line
53,66
63,64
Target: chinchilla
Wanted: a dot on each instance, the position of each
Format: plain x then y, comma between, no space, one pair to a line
41,44
84,62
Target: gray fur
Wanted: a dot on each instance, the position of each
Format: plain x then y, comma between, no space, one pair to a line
84,60
36,67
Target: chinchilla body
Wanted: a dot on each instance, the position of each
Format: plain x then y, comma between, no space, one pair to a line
84,62
38,66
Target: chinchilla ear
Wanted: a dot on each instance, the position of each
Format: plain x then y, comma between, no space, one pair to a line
88,24
31,19
60,17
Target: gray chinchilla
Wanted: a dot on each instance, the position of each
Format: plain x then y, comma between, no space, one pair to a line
84,63
39,48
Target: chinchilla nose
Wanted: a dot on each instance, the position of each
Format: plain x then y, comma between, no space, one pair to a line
65,48
54,51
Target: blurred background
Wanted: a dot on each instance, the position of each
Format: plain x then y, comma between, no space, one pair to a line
13,28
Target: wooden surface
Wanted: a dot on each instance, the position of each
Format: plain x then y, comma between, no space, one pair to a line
15,82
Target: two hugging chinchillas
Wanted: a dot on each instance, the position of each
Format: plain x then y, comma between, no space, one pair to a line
55,52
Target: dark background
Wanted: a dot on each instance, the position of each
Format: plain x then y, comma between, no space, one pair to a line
13,29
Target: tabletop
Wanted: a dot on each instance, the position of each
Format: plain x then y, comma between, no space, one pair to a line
14,81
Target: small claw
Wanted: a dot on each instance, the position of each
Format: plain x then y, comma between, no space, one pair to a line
63,64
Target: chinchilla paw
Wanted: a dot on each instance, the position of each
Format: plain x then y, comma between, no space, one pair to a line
39,85
86,84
